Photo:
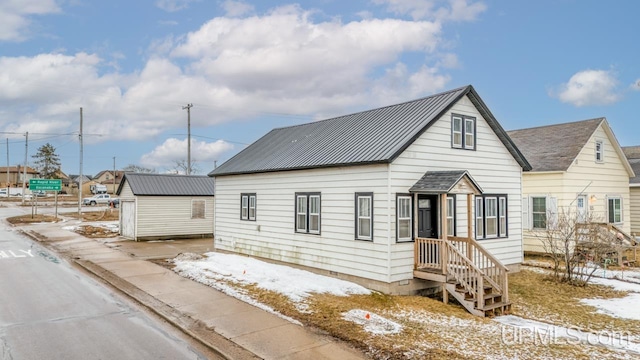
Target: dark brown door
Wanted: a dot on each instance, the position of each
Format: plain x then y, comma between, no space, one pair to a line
428,216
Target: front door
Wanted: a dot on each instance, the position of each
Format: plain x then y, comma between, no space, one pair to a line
581,208
428,216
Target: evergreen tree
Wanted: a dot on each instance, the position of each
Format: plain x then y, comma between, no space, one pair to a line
47,161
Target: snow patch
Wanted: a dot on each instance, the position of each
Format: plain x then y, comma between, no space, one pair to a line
372,323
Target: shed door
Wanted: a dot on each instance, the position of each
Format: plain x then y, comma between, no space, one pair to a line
128,219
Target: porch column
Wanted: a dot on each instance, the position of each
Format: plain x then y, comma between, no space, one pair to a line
443,247
416,247
470,219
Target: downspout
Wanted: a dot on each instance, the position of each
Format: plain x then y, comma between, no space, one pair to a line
389,217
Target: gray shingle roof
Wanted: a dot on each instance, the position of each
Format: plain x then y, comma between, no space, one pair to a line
373,136
168,184
633,155
441,182
554,147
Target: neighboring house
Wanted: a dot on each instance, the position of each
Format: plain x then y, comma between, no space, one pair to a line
579,169
109,178
160,206
14,176
633,155
372,196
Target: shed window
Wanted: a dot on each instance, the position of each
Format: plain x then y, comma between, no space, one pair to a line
364,216
308,213
248,207
198,209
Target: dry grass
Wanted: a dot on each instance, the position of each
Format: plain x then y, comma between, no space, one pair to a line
105,215
95,232
28,219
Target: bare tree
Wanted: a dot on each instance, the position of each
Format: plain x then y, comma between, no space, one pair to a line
138,169
180,167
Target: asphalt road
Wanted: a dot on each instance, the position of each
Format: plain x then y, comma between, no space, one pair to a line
50,310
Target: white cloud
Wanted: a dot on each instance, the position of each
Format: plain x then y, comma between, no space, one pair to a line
203,154
236,8
173,5
589,87
15,16
456,10
636,85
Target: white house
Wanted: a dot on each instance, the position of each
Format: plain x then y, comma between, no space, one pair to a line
390,197
579,169
162,206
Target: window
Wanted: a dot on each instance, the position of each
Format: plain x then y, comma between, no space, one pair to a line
614,207
308,213
364,216
197,209
451,215
463,132
599,151
248,207
539,212
404,218
491,216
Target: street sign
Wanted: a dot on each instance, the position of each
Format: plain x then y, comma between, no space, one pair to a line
45,184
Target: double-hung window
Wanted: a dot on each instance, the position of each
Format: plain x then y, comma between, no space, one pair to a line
248,207
463,132
364,216
539,212
308,213
491,216
614,209
404,218
451,215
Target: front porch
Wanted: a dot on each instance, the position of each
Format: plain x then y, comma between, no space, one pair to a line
466,270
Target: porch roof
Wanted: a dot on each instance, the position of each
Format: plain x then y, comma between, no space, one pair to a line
442,182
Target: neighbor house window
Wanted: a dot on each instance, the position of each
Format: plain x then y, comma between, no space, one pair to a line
451,215
614,207
491,216
364,216
404,218
539,212
197,209
599,151
463,132
248,207
308,213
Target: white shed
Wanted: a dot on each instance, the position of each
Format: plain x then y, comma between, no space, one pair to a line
163,206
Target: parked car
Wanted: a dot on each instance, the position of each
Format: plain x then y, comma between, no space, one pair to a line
97,199
114,203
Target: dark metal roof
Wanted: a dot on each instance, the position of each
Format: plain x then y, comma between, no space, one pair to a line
441,182
554,147
633,155
168,184
373,136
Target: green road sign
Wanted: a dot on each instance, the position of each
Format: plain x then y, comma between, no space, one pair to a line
45,184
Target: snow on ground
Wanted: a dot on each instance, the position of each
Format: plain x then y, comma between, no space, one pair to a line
216,268
372,323
519,329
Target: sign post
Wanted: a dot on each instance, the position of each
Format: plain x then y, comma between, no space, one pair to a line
45,185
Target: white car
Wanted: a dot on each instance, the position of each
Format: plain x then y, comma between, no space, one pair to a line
97,199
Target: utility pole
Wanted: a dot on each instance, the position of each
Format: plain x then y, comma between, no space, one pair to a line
24,177
188,108
80,176
114,175
8,181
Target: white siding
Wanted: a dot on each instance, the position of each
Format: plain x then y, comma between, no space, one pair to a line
491,165
171,215
635,210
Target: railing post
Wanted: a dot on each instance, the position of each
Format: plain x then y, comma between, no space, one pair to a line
416,248
505,288
480,292
444,259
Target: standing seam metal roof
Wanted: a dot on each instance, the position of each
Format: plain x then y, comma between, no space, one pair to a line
373,136
168,185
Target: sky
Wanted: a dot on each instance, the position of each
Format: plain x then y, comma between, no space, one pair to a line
250,66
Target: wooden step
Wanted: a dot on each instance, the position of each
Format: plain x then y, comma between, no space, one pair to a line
495,306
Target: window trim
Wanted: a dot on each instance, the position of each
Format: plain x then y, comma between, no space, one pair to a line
501,200
359,195
204,208
599,154
307,213
248,196
619,200
546,220
411,210
463,132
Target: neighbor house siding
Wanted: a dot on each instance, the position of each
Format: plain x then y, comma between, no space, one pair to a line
635,210
491,165
538,184
171,215
272,234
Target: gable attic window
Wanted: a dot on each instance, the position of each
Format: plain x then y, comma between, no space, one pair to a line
198,209
599,151
248,207
463,132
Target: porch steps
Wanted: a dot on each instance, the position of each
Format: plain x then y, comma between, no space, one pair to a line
493,301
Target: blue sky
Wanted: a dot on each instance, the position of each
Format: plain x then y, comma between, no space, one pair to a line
248,67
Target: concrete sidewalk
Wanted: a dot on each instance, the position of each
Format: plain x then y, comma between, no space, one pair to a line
235,329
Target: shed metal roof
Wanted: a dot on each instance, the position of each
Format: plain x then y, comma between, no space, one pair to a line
168,184
373,136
